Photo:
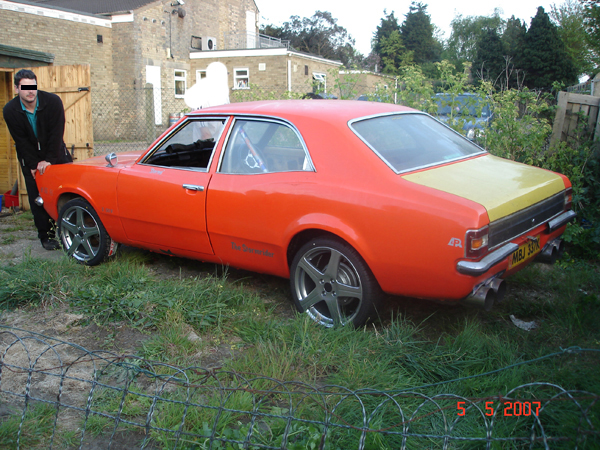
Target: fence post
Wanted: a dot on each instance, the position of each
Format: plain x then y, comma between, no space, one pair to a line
559,119
149,116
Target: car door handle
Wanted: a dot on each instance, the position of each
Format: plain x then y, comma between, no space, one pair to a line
193,187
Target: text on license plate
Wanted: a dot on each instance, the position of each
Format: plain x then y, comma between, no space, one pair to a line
525,251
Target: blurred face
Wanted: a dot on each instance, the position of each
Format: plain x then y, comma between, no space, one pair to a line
28,96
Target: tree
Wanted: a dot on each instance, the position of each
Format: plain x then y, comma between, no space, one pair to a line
544,55
393,53
417,35
466,31
513,40
388,25
568,17
489,63
591,11
319,35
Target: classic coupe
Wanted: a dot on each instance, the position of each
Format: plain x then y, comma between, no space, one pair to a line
350,200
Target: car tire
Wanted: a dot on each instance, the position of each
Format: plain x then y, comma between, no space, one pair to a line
82,234
346,293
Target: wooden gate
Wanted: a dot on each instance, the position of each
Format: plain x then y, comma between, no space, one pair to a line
72,85
568,118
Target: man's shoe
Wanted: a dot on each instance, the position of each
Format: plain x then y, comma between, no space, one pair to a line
50,244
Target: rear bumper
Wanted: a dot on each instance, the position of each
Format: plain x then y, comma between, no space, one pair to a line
476,268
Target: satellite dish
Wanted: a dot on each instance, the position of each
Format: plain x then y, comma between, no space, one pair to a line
181,12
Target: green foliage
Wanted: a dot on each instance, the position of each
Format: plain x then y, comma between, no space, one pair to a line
320,35
489,63
544,55
416,91
568,17
513,41
461,45
520,129
591,23
35,429
393,53
387,27
417,35
33,282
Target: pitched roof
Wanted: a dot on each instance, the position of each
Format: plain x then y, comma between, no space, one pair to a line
92,6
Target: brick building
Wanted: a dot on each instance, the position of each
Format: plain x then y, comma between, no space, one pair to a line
131,45
143,54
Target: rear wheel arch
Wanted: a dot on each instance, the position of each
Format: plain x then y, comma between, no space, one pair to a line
331,281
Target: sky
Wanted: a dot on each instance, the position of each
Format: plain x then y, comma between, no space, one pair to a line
362,18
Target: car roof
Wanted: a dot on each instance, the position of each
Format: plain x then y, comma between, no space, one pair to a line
327,110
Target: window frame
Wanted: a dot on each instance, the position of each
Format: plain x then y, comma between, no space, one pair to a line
179,78
237,78
185,123
397,171
282,122
319,78
200,73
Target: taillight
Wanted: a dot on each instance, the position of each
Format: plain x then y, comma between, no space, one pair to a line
568,198
476,242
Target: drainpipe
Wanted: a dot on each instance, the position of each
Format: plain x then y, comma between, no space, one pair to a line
289,75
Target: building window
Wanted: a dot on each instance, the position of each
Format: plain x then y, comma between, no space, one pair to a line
319,82
180,83
99,38
241,78
200,74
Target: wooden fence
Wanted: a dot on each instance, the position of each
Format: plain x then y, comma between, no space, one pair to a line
572,109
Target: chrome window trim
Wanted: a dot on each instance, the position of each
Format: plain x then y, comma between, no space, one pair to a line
261,118
412,169
186,121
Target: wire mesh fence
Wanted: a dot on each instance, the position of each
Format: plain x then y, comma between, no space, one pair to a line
56,394
131,119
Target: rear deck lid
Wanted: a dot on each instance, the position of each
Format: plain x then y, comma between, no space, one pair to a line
501,186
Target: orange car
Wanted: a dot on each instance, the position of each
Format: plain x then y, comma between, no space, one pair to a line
346,199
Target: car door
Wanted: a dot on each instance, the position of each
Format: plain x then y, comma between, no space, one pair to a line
257,191
162,199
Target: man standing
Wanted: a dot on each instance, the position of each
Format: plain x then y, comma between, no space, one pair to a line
36,121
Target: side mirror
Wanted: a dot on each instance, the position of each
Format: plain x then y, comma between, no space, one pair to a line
111,159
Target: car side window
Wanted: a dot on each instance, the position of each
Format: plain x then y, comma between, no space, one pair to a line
261,146
190,147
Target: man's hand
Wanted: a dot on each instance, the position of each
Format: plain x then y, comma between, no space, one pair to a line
41,167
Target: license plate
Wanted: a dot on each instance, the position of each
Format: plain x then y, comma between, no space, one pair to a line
524,252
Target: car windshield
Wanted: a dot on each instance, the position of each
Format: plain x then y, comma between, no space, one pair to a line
466,105
409,141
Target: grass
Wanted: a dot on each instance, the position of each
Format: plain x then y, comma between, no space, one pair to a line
421,348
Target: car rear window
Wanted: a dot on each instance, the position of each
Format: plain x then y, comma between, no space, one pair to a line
410,141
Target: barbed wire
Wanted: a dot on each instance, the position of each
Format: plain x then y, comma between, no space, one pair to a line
123,401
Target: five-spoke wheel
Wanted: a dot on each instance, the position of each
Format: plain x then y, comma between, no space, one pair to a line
332,283
81,232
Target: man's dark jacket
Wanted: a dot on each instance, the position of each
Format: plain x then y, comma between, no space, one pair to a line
50,129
